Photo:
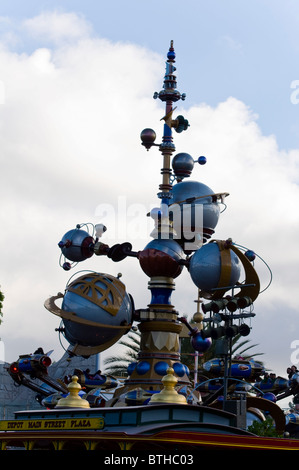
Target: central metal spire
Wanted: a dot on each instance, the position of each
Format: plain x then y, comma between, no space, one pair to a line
169,95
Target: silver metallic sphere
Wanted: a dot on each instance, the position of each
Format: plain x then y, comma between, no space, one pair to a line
182,165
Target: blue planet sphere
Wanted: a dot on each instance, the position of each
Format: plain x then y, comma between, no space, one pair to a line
142,367
131,368
250,255
202,160
77,245
207,268
99,298
179,369
195,210
200,344
161,367
270,396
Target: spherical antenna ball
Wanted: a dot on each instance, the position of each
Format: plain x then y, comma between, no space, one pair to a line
182,164
208,264
171,55
66,266
200,344
250,255
198,317
202,160
148,137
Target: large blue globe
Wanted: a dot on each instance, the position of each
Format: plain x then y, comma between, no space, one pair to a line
99,298
210,270
187,195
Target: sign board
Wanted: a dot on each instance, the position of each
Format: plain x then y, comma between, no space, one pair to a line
51,424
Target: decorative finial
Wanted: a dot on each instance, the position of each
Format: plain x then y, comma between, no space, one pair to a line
168,394
171,53
72,400
169,92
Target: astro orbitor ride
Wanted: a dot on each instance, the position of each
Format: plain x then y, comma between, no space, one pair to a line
96,310
159,402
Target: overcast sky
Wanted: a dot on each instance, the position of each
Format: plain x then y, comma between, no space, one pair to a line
76,86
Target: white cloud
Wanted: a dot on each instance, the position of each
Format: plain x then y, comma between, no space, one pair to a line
66,123
230,43
57,26
262,209
69,134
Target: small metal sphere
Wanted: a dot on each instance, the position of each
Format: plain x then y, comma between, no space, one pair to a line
250,255
142,367
199,343
161,368
198,317
148,137
179,369
66,266
202,160
171,55
131,367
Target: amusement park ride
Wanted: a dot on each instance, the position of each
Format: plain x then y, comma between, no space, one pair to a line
159,406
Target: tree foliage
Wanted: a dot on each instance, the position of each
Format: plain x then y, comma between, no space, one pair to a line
264,428
117,364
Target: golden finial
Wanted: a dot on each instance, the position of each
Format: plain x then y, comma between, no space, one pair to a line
168,394
72,400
